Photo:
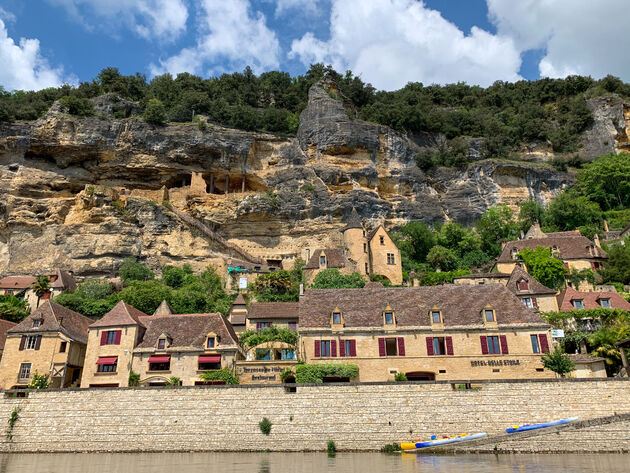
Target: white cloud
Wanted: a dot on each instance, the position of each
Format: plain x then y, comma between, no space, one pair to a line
579,36
392,42
6,15
23,66
231,35
161,19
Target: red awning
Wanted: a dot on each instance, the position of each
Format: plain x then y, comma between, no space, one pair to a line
160,359
107,360
210,359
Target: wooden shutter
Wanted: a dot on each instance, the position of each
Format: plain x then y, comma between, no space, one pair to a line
449,346
381,347
258,325
401,346
430,346
23,342
504,345
484,344
38,342
544,344
118,334
333,348
318,347
103,337
342,348
535,302
353,348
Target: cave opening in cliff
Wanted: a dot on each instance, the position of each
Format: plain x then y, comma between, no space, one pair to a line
218,181
179,180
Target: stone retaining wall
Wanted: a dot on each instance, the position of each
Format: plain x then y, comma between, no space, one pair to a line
356,416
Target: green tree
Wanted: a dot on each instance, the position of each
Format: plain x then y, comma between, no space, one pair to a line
131,270
558,362
607,181
543,267
145,296
570,210
496,225
155,113
13,308
442,258
530,212
77,105
415,239
176,277
41,287
39,381
617,268
331,278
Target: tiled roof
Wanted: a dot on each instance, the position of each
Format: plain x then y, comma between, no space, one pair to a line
569,247
484,276
590,299
5,325
64,281
122,314
334,258
240,300
163,309
582,358
460,305
275,310
187,330
353,221
625,230
534,287
56,318
17,282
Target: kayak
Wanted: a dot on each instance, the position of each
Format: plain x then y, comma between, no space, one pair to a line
413,446
526,427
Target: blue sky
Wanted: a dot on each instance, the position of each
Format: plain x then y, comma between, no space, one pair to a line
387,42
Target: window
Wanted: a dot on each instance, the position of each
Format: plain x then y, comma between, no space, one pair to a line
493,345
287,354
389,318
336,318
527,302
110,337
436,317
62,347
107,368
37,322
390,258
514,253
209,366
262,325
523,285
263,354
322,260
25,371
535,345
292,326
367,269
162,366
210,342
391,347
578,303
382,239
439,346
31,342
605,303
489,315
364,247
347,347
324,348
161,344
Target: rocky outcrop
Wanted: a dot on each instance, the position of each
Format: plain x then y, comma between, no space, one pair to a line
83,193
610,128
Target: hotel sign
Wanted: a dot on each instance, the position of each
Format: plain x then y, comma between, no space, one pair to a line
476,363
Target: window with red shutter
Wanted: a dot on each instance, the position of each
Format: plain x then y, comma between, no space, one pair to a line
544,343
504,345
317,348
430,346
333,348
342,348
118,335
535,302
484,344
104,337
381,347
401,346
449,346
353,348
523,286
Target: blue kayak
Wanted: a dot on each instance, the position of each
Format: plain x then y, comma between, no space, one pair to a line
526,427
413,446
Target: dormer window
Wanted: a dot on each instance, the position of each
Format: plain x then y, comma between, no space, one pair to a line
578,303
554,249
523,285
210,342
322,260
37,322
436,316
605,303
336,318
514,253
489,315
161,343
388,316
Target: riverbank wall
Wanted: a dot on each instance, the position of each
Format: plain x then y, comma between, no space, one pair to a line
356,416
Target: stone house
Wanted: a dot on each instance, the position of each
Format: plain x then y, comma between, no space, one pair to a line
532,293
20,286
570,299
439,332
576,251
156,347
364,253
51,341
5,326
588,366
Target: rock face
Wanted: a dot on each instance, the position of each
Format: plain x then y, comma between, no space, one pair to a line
84,193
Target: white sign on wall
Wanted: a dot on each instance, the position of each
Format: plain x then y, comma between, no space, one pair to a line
242,283
557,333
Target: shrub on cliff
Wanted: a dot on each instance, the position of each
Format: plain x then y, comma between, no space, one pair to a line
155,113
131,270
77,105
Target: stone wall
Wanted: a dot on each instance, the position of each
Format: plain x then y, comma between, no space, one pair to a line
355,416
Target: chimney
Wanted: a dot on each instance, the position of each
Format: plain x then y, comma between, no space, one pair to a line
606,226
308,254
301,289
596,240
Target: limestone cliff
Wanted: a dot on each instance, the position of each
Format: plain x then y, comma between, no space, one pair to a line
84,193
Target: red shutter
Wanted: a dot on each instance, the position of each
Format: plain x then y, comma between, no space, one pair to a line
118,334
258,325
333,348
566,265
484,345
342,348
430,346
449,346
593,265
535,302
353,348
504,346
103,337
318,347
381,347
23,342
401,346
544,344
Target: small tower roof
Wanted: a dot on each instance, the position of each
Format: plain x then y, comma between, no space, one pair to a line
163,309
353,221
240,300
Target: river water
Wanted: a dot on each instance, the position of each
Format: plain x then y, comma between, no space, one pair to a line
309,462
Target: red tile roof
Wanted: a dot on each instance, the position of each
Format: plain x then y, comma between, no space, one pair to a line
591,300
121,315
569,247
5,325
17,282
56,318
460,305
64,280
273,310
334,258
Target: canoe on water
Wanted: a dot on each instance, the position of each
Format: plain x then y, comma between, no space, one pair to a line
524,428
413,446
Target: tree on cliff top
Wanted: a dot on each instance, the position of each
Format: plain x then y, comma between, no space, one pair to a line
155,112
